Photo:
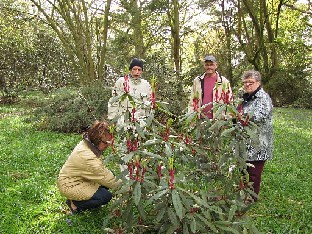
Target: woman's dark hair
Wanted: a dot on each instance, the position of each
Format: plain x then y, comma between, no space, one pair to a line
98,132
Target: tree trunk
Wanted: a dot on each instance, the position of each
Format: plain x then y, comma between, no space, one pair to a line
74,25
137,28
102,46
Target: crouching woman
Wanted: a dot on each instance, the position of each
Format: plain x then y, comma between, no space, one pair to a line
84,180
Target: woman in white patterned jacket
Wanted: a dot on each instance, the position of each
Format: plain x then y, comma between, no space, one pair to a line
258,104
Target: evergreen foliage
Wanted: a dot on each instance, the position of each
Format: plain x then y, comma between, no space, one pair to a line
72,110
182,175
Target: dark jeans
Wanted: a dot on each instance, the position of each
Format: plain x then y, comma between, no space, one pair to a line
255,174
101,197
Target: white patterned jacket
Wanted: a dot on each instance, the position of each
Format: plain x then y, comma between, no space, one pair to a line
259,105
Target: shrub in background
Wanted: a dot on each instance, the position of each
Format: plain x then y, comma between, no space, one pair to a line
73,109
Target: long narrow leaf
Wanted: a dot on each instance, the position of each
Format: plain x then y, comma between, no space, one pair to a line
177,204
209,224
228,229
157,195
172,216
139,130
160,214
232,212
137,193
193,225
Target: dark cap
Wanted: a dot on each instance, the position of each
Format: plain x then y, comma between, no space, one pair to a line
210,58
136,62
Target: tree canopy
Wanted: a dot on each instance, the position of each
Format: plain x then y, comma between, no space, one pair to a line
60,42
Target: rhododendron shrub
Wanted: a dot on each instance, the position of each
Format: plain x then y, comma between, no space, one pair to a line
186,174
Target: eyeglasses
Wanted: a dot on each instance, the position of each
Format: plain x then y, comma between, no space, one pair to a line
249,82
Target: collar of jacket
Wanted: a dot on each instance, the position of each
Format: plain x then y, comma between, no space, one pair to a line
219,77
91,146
248,97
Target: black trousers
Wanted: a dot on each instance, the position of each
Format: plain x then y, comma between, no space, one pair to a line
101,197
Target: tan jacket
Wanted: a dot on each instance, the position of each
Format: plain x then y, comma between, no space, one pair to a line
83,173
222,83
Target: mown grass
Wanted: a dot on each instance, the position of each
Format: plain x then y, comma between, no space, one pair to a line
30,161
286,202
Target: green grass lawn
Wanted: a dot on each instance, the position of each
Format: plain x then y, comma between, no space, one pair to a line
286,202
30,161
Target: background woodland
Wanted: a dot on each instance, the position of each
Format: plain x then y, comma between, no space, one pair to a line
57,45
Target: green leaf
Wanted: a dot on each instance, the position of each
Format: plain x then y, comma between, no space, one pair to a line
125,187
228,229
131,99
232,212
127,157
152,142
216,125
123,96
220,111
172,216
193,225
224,223
137,193
168,150
171,228
207,214
227,132
149,119
197,199
157,195
190,117
150,154
160,214
142,212
209,224
185,228
128,215
139,130
177,204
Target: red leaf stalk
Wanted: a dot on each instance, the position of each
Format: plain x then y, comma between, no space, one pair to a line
129,145
133,115
126,84
228,97
159,170
195,103
143,173
217,95
171,174
187,140
153,100
137,169
135,145
153,94
171,179
222,97
130,169
166,137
